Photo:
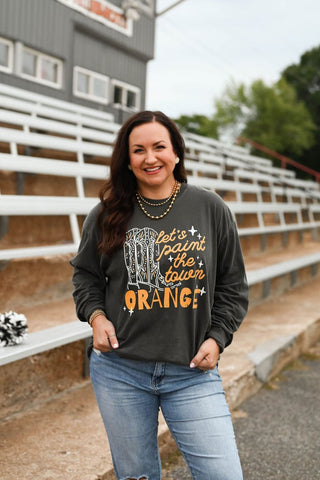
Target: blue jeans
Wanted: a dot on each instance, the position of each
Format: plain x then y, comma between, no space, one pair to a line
129,394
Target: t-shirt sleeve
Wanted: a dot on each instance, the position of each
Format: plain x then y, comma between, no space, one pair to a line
231,288
88,279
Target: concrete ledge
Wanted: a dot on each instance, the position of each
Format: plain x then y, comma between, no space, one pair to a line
265,356
45,340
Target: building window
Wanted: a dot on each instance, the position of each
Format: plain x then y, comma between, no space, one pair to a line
90,85
126,96
41,68
6,55
29,64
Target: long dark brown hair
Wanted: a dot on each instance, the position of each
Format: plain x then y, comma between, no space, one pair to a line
117,195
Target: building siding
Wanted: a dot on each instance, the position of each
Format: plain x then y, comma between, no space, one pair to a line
64,33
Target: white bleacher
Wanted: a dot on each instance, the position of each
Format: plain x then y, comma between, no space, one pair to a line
254,165
233,155
204,168
289,188
36,105
290,194
219,159
256,177
13,205
44,340
45,166
208,163
219,146
315,208
18,137
60,335
262,208
81,148
305,184
79,132
31,120
265,274
72,206
226,185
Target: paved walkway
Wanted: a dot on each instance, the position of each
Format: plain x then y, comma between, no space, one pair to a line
277,430
279,437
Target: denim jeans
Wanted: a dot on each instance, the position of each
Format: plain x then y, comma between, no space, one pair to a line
129,394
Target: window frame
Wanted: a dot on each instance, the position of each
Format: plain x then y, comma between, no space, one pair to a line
126,87
39,57
92,75
8,43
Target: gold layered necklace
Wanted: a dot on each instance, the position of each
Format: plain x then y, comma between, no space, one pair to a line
173,196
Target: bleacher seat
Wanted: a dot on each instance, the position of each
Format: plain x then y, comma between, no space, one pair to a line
48,140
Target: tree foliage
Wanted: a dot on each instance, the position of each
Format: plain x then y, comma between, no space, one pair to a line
270,115
199,124
284,116
305,78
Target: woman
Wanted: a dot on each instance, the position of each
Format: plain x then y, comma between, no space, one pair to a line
160,277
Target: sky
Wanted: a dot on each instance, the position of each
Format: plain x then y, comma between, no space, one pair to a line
201,45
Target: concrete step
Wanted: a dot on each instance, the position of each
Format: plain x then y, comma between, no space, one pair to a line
28,283
270,262
63,437
264,259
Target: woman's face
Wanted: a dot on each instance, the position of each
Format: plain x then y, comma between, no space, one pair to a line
152,159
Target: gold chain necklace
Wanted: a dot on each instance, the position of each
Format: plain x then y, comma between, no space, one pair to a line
173,196
158,204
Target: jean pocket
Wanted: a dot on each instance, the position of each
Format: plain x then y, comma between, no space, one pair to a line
95,350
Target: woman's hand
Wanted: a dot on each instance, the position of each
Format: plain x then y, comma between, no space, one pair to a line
207,355
104,334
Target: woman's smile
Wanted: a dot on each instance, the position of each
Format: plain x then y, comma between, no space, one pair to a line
153,170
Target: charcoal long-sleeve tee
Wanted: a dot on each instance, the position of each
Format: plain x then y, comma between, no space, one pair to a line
175,282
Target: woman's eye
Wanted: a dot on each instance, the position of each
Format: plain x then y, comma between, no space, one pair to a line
160,147
138,150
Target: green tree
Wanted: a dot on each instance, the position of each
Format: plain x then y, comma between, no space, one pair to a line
305,78
199,124
270,115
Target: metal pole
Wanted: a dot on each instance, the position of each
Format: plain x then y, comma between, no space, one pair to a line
169,8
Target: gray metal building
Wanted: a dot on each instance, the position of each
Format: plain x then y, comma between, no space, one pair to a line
91,52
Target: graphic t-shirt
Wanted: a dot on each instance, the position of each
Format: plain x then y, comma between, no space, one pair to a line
176,281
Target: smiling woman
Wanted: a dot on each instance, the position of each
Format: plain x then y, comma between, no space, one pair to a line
176,291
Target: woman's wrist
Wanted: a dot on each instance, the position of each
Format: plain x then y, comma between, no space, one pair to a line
95,314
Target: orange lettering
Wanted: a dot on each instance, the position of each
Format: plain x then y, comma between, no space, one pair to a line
156,298
130,299
184,299
142,300
167,295
195,300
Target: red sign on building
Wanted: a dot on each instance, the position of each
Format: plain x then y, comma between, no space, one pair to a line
102,11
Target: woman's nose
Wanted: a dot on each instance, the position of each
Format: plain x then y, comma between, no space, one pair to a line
150,158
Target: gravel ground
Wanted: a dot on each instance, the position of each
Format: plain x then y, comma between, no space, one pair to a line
277,430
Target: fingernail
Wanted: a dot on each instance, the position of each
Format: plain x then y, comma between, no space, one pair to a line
115,345
192,365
